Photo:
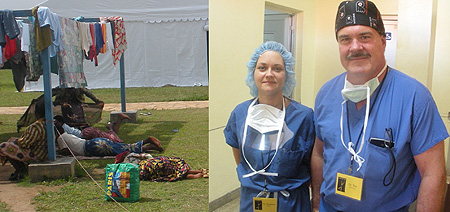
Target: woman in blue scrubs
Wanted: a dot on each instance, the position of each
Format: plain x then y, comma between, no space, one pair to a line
272,135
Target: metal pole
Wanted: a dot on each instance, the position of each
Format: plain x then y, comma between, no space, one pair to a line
122,84
48,105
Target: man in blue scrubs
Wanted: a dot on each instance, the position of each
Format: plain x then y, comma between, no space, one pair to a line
379,144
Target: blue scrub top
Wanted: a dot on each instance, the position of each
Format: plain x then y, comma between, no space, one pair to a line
291,162
404,105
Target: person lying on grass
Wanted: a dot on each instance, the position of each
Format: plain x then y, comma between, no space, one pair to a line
101,146
161,168
93,132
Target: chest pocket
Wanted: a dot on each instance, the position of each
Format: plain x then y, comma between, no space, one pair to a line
378,162
289,162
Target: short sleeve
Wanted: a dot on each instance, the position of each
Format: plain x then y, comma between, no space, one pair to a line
428,127
230,131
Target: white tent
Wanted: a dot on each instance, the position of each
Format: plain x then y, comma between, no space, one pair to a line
167,41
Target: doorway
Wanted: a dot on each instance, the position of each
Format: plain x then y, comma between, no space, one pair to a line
280,27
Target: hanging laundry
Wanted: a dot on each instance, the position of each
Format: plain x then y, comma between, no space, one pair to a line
18,66
8,26
71,72
85,36
33,57
48,18
92,55
25,40
43,34
10,47
109,37
120,40
104,47
99,42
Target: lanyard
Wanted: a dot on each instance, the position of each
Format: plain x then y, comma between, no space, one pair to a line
351,146
280,128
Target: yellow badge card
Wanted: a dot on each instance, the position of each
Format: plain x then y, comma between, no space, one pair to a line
264,204
349,186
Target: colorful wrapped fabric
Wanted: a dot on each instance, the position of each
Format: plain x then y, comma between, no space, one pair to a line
11,150
163,169
104,147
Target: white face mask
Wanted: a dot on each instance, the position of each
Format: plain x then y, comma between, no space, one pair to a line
366,90
263,118
357,93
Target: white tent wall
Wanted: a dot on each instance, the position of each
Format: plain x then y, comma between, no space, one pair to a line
166,42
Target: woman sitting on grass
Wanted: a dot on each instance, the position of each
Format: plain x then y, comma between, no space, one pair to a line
31,146
161,168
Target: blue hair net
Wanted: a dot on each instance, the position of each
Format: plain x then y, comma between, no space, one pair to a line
289,63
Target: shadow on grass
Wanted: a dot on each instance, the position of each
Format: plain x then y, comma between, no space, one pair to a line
165,131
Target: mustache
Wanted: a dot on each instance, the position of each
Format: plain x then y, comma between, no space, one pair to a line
358,54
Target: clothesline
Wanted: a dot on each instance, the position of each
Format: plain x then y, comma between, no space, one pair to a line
46,67
66,40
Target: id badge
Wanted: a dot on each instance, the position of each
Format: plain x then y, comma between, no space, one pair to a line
349,186
261,204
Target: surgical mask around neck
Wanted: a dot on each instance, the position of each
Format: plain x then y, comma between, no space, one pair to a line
357,93
264,119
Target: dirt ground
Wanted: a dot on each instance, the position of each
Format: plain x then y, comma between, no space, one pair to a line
18,198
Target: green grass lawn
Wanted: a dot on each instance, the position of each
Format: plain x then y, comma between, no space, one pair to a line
11,98
190,142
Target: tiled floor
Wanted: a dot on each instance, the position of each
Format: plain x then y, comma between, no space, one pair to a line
229,207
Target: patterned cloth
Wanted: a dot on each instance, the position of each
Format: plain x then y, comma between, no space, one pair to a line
163,168
33,57
120,39
104,147
92,132
32,145
11,150
35,139
71,61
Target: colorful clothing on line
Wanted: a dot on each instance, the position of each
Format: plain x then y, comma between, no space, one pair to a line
163,168
48,18
92,132
71,72
8,26
120,40
104,49
105,147
43,34
85,36
33,57
99,41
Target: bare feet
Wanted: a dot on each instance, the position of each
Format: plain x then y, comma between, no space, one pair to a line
152,146
123,116
155,141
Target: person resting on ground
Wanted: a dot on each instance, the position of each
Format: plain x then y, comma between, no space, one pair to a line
93,132
102,146
31,146
161,168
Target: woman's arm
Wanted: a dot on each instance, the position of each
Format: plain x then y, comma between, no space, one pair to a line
237,155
